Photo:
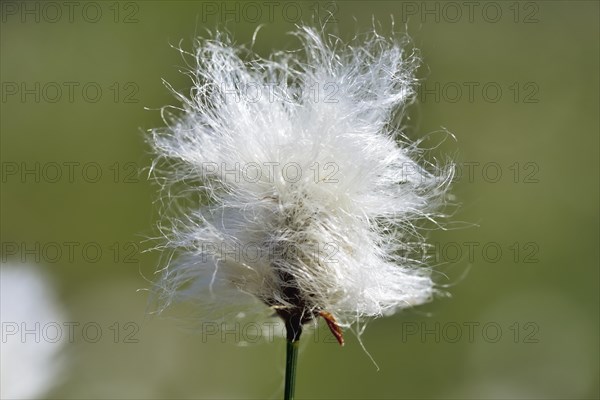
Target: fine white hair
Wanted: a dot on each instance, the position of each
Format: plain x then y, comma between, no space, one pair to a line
289,174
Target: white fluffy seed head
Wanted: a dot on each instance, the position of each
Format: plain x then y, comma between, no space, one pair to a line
291,183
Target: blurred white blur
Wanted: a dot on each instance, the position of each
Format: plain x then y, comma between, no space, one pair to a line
33,332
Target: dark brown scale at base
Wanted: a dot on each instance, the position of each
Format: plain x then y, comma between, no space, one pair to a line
296,310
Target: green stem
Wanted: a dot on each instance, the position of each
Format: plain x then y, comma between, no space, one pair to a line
291,360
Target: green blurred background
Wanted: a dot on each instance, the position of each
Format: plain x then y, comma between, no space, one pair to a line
519,324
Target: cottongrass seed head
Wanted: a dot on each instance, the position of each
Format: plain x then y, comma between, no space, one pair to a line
288,185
